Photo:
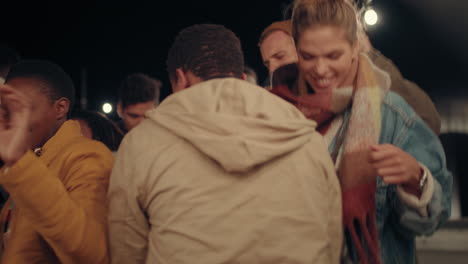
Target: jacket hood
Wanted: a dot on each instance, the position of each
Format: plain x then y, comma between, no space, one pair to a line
235,123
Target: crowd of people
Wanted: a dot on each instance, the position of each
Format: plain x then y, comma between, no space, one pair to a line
336,159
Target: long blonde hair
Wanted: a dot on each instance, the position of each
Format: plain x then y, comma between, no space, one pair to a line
309,13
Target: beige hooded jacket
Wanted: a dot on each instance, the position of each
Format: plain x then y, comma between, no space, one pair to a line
224,172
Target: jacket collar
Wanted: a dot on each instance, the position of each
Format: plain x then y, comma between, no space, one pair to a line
63,137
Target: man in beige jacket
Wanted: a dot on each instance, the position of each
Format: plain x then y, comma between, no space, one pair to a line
222,171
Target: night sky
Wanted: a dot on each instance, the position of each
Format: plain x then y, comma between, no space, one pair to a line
110,39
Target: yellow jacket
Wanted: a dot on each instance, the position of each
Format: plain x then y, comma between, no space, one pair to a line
60,207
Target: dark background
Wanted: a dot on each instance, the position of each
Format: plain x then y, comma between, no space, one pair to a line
110,39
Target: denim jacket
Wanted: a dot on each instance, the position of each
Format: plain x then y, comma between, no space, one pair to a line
398,224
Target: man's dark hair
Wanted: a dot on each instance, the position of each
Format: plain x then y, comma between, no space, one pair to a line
8,56
208,51
103,129
58,83
139,88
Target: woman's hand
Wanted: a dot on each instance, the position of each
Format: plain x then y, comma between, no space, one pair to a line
396,166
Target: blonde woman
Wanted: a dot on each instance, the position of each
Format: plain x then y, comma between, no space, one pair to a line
391,166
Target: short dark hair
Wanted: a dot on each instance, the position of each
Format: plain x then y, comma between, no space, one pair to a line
103,129
208,51
139,88
58,82
8,56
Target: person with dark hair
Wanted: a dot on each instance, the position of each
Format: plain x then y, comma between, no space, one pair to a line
394,181
57,179
97,126
222,171
138,93
8,57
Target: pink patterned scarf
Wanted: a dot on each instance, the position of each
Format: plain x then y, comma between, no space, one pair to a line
361,130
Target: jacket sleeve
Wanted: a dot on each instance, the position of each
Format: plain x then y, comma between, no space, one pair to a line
419,141
71,215
128,224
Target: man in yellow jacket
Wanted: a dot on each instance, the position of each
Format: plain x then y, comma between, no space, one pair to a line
57,179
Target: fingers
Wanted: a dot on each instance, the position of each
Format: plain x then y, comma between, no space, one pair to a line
12,99
399,174
394,165
397,179
5,88
3,119
3,112
391,171
389,162
393,174
15,108
387,155
382,152
385,159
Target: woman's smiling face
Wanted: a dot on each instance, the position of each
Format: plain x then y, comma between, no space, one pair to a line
326,57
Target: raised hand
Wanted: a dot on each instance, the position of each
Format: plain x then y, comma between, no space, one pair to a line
15,132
